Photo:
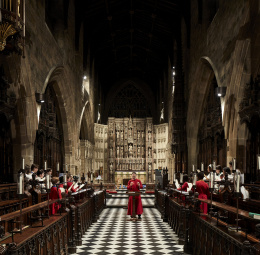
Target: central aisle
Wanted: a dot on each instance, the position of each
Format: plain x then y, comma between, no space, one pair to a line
114,234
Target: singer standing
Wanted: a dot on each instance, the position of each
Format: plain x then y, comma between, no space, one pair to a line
133,186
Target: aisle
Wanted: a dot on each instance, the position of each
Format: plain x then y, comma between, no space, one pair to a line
114,234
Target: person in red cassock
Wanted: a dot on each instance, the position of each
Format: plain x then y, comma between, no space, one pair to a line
203,189
70,183
54,195
135,185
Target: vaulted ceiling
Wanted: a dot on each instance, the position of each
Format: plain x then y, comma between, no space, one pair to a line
131,38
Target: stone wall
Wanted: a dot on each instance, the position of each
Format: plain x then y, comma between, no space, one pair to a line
221,48
50,58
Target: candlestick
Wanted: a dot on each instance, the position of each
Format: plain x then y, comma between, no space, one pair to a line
211,179
214,165
23,163
181,177
47,181
238,183
202,167
45,165
194,179
234,164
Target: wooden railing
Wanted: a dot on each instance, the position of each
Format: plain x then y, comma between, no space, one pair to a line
205,234
60,233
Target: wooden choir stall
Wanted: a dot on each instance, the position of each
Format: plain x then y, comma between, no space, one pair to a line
229,227
27,227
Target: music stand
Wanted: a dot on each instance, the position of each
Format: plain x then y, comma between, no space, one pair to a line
134,194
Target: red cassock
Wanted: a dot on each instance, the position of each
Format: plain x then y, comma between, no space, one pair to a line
53,196
203,189
184,188
138,201
68,186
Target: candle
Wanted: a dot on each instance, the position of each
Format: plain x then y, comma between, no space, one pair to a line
45,165
234,164
202,167
47,181
23,163
181,177
211,180
194,179
58,167
65,177
193,168
214,165
174,177
238,183
91,176
258,161
66,168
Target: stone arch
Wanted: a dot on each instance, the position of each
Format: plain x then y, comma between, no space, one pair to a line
58,79
205,73
140,85
86,132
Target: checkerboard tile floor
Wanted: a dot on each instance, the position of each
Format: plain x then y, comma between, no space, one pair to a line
124,202
113,234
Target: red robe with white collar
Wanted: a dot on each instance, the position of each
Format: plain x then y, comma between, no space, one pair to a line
138,201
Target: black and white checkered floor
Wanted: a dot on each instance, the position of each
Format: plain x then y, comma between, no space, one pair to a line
113,234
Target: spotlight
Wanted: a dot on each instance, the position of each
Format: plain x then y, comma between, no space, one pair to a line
220,91
39,98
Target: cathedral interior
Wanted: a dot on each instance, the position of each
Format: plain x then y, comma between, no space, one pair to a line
98,89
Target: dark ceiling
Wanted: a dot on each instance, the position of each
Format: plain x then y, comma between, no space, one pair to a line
130,38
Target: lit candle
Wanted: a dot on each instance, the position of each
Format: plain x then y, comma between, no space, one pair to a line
202,167
234,164
193,168
45,165
214,165
23,163
194,179
238,183
181,177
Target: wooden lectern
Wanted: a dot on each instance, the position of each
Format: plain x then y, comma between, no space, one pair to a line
134,194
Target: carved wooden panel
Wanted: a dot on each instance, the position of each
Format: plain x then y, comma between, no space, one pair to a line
49,137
